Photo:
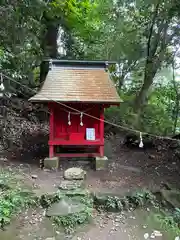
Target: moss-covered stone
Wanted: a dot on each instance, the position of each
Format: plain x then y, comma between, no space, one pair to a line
65,207
77,192
101,163
71,184
172,197
51,163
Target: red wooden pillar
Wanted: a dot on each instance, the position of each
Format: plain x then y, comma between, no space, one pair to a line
101,129
51,130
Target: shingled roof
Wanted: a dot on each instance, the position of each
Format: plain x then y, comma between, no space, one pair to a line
77,81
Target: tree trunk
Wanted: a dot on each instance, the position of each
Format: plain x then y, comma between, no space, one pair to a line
150,72
51,36
176,115
49,46
177,101
150,65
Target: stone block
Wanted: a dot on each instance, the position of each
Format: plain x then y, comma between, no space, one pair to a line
51,163
74,173
76,193
172,197
71,184
101,163
65,207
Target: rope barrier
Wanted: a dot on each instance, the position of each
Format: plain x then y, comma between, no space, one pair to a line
105,121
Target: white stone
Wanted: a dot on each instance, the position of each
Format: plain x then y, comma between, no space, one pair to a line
34,176
146,235
157,233
74,174
177,238
70,185
152,236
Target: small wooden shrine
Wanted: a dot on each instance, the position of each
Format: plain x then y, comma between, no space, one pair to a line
77,92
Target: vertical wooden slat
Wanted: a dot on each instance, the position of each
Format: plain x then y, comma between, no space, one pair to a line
101,130
51,121
51,129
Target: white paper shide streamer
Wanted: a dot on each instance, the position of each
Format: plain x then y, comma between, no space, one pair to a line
1,86
81,119
69,118
141,145
81,122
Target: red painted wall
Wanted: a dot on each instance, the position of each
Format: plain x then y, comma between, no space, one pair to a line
63,131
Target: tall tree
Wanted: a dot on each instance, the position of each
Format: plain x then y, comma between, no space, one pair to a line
161,28
73,17
30,31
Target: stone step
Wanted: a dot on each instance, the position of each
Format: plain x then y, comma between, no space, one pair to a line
65,207
74,173
71,184
77,192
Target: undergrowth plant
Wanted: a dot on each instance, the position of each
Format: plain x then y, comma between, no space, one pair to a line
13,196
167,222
70,221
134,200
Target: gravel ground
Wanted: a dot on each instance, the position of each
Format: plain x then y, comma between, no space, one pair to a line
128,170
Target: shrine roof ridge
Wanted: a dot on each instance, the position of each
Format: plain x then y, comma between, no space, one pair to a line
102,63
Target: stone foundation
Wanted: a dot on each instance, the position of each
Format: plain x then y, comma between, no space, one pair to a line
101,163
51,163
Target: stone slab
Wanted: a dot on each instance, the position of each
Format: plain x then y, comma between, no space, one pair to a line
74,173
101,163
76,193
51,163
71,184
172,197
65,207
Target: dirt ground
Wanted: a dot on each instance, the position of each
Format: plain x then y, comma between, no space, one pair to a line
128,170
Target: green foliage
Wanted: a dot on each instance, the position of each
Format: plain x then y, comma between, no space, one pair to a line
70,221
113,30
13,196
131,201
168,223
19,41
158,115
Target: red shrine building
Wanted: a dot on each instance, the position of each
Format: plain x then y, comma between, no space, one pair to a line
77,94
